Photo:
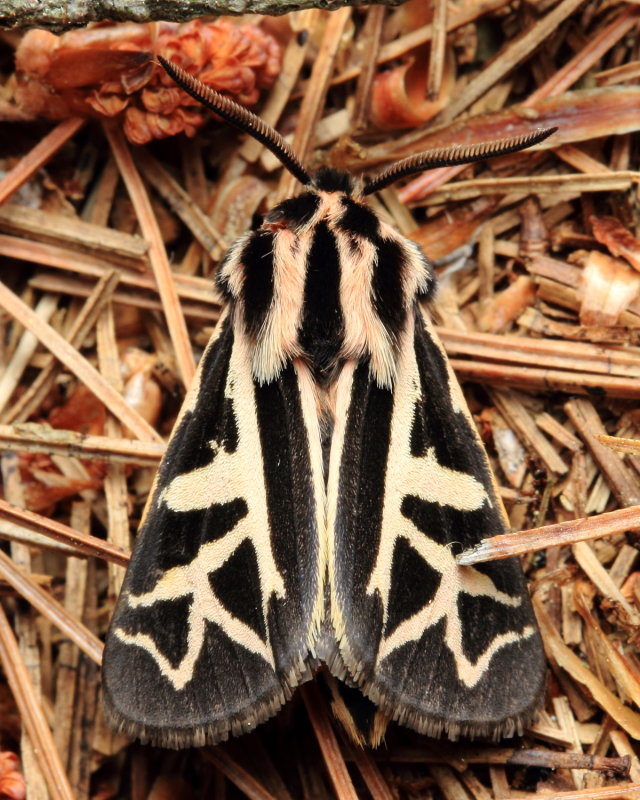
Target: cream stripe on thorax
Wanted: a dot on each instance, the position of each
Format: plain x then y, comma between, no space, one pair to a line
278,338
364,332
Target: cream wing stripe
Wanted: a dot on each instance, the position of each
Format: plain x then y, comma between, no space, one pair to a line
226,478
343,400
421,477
424,477
309,403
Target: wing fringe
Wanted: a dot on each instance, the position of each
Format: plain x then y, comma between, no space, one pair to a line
214,732
434,725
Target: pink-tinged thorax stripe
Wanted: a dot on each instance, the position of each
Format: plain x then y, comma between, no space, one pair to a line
365,334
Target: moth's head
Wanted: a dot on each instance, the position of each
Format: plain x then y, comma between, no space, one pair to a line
328,179
331,180
325,195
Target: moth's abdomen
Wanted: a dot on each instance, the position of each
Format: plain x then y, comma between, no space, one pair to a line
326,280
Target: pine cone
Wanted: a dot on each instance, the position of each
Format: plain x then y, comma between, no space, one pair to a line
108,70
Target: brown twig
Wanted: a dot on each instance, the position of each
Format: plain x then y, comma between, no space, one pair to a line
369,45
189,287
331,753
180,201
239,776
529,757
38,156
544,380
115,481
157,253
87,545
33,438
31,713
539,352
622,791
80,328
564,657
50,608
620,444
584,60
70,357
572,71
409,41
600,182
512,54
438,48
506,545
84,239
371,775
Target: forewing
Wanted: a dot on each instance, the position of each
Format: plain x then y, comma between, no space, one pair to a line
220,600
437,646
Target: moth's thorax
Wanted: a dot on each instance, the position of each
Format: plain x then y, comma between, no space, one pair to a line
326,280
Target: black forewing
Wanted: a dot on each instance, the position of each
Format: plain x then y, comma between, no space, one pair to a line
439,647
212,626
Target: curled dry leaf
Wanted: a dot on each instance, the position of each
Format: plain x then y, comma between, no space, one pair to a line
454,228
44,484
579,116
610,232
141,390
81,412
12,783
12,786
108,70
507,306
399,95
608,286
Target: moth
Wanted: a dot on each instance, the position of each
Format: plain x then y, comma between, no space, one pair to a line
322,475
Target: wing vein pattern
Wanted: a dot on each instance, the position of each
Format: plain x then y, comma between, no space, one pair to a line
321,477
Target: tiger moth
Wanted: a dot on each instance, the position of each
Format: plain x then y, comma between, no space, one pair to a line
322,476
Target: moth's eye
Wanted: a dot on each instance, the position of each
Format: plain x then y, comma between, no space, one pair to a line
274,217
257,220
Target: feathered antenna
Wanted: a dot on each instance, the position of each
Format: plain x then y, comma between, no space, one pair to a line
238,116
454,155
250,123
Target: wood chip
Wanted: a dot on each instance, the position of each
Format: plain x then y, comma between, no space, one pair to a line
514,411
568,660
588,424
